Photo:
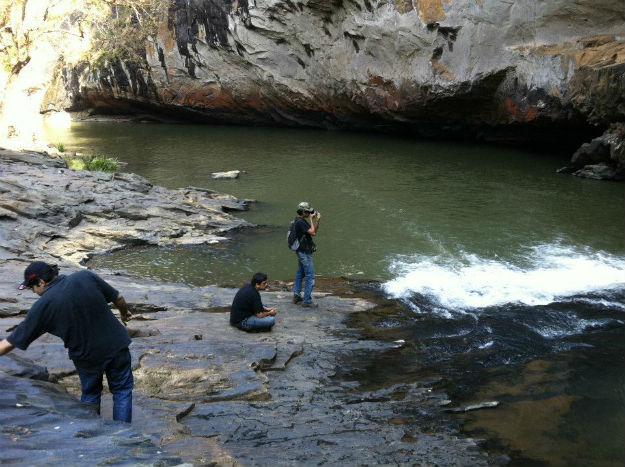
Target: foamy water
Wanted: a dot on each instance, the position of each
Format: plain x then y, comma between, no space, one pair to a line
545,274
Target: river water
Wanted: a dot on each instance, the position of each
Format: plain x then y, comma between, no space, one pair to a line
507,279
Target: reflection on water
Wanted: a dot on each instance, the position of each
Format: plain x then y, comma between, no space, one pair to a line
508,277
565,410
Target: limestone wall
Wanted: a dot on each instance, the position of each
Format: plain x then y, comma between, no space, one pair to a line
415,64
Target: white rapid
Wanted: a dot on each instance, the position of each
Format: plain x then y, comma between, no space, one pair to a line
540,275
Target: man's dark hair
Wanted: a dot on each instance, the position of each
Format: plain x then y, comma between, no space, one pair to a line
51,274
258,278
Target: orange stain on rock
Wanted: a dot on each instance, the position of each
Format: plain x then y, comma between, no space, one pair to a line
213,98
404,6
382,95
431,11
592,51
520,112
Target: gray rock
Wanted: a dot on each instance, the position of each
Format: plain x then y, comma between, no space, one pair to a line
603,158
75,214
240,398
597,151
477,406
599,172
231,174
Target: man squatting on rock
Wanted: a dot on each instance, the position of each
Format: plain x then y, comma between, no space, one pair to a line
75,308
247,311
305,266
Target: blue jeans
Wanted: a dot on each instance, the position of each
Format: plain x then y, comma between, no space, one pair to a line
305,270
119,376
254,322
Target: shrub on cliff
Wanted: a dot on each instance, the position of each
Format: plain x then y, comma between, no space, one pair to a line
122,34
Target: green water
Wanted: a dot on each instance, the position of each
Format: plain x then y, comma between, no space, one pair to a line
381,197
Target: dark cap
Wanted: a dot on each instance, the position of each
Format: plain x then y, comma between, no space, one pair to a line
35,271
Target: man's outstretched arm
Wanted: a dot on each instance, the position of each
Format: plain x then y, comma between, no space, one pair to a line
120,304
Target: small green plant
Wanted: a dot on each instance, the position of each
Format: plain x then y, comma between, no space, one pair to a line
93,163
76,163
103,164
60,147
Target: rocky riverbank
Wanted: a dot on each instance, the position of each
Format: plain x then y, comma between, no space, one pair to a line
206,394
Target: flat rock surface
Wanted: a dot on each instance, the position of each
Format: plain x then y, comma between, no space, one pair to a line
71,215
207,393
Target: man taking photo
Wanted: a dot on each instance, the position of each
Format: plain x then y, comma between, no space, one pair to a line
304,231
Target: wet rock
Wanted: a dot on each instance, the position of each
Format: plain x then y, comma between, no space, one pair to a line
229,174
603,158
224,397
591,153
599,172
15,365
42,425
478,406
227,202
503,459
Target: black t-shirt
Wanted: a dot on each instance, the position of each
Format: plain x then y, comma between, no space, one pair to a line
306,244
75,308
246,303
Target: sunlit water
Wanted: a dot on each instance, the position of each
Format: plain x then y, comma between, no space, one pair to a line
502,265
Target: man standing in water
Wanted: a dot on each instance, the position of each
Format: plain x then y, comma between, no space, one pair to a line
305,266
247,311
75,308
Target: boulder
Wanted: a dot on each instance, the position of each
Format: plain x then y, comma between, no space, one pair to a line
600,172
603,158
229,174
615,138
595,152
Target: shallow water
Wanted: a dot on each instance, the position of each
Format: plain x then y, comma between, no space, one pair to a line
505,279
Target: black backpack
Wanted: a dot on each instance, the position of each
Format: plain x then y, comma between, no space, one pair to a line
295,243
292,241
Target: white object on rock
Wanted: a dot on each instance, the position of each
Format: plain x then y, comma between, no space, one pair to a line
228,174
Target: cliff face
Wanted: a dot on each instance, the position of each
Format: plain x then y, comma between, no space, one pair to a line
467,67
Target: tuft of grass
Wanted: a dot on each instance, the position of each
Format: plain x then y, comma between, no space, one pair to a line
103,164
76,163
60,147
93,163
